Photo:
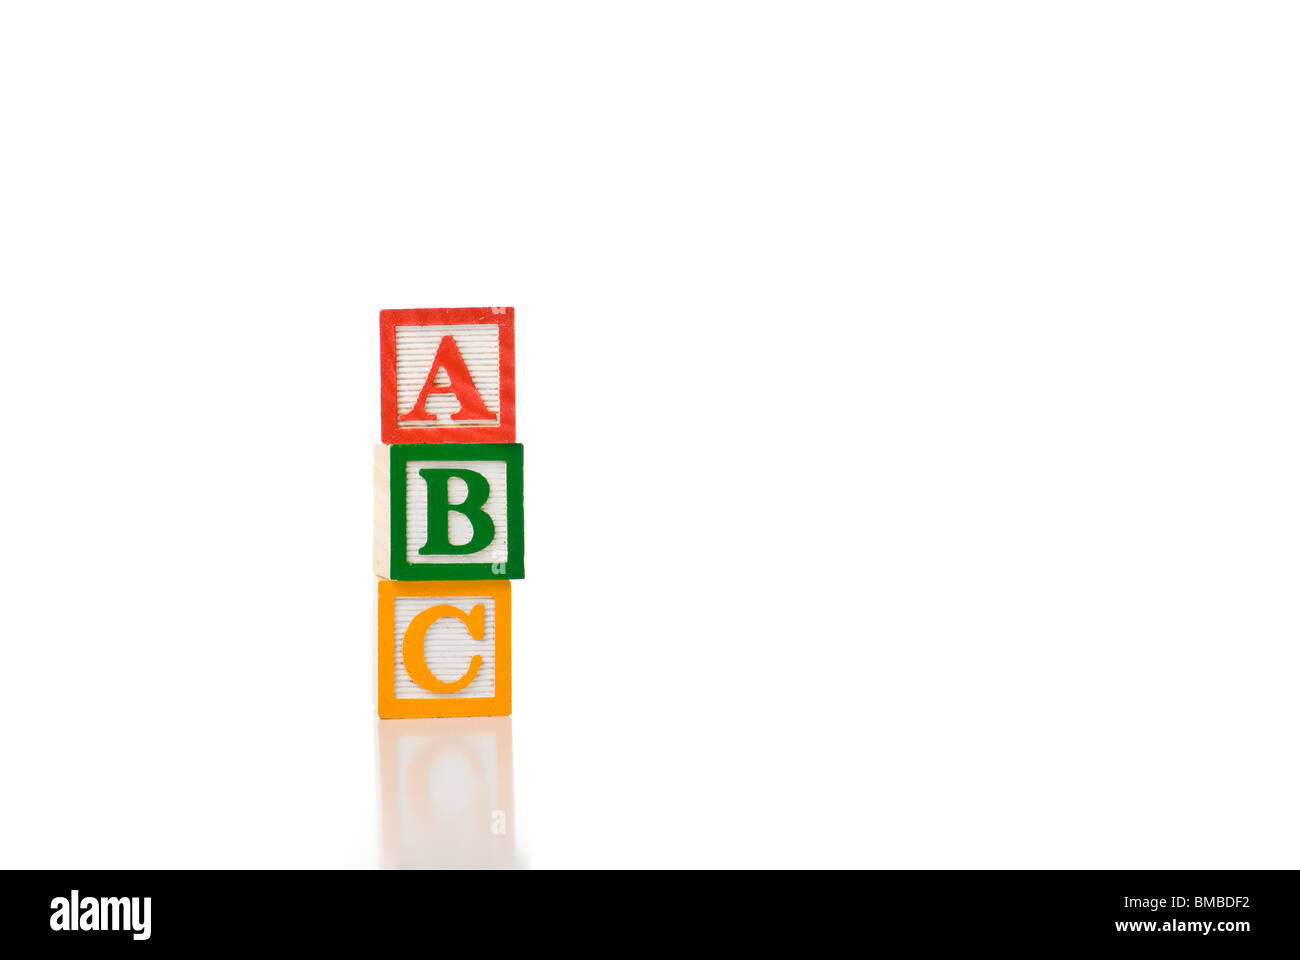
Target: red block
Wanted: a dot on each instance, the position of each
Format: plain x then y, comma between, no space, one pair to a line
447,375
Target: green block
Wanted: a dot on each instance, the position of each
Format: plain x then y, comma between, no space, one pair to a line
455,511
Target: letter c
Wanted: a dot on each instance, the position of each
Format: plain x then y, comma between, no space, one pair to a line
413,646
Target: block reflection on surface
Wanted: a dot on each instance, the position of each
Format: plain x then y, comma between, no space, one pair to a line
446,793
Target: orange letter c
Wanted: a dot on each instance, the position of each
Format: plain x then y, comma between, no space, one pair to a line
413,646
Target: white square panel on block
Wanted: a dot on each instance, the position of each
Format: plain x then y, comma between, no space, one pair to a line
459,528
477,345
448,647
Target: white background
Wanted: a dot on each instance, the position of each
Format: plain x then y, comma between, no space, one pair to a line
909,396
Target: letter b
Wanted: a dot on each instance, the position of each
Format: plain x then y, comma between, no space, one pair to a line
437,481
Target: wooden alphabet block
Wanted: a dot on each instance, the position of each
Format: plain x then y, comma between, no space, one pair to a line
444,649
447,375
449,511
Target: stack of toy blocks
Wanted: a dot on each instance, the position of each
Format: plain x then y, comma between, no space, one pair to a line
449,511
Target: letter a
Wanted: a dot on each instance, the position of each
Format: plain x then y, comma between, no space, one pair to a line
59,918
461,385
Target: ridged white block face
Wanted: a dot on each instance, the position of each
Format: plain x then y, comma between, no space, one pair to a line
479,346
448,647
460,531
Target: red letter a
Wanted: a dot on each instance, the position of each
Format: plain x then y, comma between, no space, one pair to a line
462,385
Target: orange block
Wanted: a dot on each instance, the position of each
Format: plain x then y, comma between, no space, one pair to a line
444,648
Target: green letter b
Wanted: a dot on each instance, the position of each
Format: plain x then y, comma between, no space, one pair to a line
436,480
